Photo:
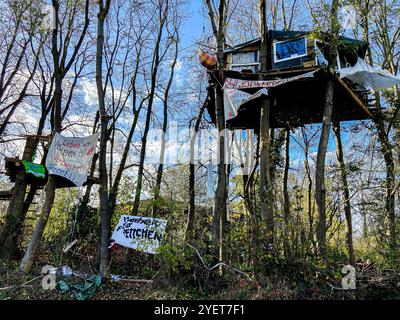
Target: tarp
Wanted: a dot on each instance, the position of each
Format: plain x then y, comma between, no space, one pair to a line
232,100
139,233
369,77
242,147
35,169
87,290
71,158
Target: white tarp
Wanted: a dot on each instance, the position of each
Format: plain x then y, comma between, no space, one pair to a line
232,100
242,147
139,233
71,158
369,77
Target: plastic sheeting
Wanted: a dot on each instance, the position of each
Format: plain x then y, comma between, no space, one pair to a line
369,77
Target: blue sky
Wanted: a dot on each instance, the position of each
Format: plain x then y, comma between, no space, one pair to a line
193,25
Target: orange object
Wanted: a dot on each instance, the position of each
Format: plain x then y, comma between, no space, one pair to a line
207,60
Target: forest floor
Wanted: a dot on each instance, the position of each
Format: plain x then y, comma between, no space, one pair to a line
299,285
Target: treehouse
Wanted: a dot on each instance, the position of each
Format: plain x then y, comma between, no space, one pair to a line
294,82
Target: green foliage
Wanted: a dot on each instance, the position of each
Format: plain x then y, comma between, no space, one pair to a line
176,259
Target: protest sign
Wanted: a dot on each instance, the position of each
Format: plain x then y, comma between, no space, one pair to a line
71,157
231,83
139,233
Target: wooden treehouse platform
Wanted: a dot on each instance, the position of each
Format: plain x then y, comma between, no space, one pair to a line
296,103
13,165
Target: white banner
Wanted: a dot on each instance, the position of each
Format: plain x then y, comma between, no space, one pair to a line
242,152
71,158
139,233
232,100
231,83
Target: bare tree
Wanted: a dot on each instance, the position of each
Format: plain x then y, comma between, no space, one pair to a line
63,59
105,216
174,38
15,74
346,192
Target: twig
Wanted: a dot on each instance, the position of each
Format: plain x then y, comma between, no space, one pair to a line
24,284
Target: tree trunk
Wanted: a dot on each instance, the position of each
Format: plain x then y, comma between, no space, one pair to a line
320,188
12,230
33,247
265,141
310,206
386,146
105,225
346,192
217,230
220,194
192,167
286,199
50,189
265,178
164,128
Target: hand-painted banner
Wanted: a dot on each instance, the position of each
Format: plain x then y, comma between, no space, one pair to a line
232,100
242,144
139,233
71,157
231,83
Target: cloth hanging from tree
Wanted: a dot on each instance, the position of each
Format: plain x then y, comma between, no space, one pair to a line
139,233
71,157
369,77
35,169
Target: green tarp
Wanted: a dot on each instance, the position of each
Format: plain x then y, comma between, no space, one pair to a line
35,169
83,291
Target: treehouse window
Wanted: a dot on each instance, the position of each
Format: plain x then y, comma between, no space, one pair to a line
290,49
242,61
245,57
321,54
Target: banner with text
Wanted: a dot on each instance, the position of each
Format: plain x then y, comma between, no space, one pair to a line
71,158
139,233
231,83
